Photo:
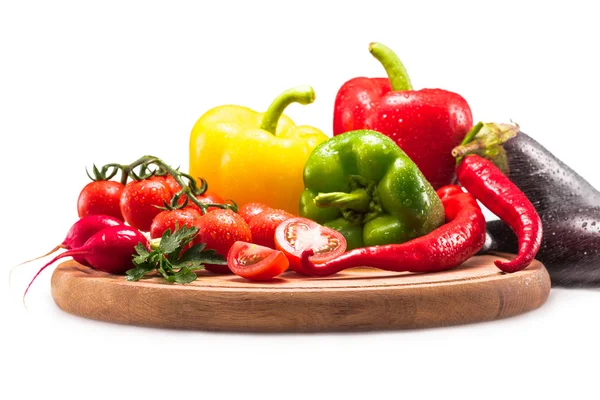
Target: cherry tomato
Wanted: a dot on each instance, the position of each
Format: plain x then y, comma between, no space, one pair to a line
256,263
174,187
295,235
206,198
170,219
264,224
168,181
140,201
220,229
100,198
250,210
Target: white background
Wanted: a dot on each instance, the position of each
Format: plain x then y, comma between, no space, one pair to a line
83,84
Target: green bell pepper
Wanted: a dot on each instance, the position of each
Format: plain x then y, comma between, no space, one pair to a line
363,185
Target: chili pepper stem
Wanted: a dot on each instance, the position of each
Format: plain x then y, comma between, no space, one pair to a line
472,133
301,94
398,75
484,136
357,200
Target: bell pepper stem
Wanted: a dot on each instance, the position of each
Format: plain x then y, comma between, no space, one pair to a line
357,200
300,94
398,75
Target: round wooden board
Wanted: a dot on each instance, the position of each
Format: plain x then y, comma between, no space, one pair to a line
354,300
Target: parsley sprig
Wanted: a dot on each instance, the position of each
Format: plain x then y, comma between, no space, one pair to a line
168,259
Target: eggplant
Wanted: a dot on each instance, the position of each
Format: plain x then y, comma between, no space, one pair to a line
570,248
568,206
546,181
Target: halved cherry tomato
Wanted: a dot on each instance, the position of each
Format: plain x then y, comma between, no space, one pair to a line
256,263
295,235
263,226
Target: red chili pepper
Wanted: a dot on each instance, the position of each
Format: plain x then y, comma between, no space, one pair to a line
427,124
494,190
446,247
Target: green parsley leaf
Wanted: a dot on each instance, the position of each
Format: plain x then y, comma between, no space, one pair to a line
138,272
170,261
170,243
196,256
142,252
185,275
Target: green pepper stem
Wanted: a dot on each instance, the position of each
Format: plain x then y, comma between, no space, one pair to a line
301,94
357,200
398,75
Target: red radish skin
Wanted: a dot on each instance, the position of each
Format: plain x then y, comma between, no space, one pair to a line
79,233
84,228
109,250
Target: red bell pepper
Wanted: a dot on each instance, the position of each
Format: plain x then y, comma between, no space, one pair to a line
427,124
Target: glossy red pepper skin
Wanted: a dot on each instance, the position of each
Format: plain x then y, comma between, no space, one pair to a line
427,124
448,246
501,196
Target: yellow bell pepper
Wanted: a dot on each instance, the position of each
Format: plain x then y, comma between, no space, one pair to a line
248,156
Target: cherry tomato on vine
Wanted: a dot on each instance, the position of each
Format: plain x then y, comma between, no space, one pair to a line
172,219
140,202
295,235
207,198
263,226
174,187
100,198
220,229
254,262
250,210
168,180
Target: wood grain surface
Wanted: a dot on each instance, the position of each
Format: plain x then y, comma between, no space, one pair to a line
358,299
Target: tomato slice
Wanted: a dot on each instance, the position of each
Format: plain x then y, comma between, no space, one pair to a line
254,262
295,235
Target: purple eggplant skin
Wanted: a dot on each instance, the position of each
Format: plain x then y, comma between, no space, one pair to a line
568,206
570,248
546,181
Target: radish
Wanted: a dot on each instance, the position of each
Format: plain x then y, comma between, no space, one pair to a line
109,250
80,232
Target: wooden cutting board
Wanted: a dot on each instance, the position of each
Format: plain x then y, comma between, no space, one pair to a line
354,300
